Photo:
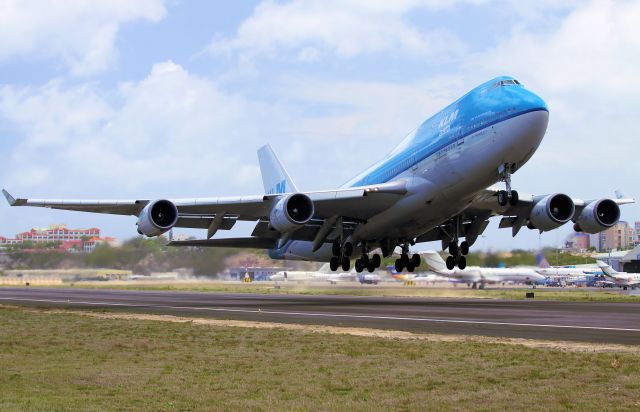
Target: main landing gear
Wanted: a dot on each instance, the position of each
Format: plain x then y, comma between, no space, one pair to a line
343,252
457,255
406,262
341,255
507,196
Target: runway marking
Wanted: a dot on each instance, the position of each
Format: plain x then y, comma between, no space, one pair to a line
316,314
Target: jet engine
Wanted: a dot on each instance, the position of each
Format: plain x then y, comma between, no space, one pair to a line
597,216
157,217
291,212
552,211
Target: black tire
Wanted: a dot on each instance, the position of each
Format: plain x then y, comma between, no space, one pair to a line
405,259
371,267
410,267
359,266
399,265
415,259
333,264
377,261
346,264
335,248
464,248
513,200
462,262
451,262
348,249
365,261
453,248
503,199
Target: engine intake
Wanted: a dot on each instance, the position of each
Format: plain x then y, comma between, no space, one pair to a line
291,212
552,211
157,217
597,216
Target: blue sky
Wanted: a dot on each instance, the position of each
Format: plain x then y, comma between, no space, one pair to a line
147,99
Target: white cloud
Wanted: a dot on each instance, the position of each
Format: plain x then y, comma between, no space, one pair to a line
311,28
80,33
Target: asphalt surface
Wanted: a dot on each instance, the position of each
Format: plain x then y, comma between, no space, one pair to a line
547,320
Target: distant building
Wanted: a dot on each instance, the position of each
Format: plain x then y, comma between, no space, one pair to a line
636,235
80,240
618,237
578,242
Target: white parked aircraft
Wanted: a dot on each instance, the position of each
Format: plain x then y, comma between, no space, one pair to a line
476,275
322,274
622,279
431,187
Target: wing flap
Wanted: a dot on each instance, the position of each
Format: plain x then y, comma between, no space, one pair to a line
242,242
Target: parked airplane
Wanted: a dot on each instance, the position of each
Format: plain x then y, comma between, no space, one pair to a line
478,275
431,187
416,278
566,274
322,274
621,279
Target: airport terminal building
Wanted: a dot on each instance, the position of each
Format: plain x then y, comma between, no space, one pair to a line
622,261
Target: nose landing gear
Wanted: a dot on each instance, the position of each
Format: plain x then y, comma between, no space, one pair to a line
507,196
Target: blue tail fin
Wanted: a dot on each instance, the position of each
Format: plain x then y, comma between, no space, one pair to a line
274,176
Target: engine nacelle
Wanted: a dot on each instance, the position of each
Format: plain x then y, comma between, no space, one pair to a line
157,217
552,211
597,216
291,212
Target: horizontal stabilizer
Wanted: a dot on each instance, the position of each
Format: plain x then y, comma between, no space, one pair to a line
240,242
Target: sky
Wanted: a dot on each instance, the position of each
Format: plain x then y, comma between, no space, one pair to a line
167,99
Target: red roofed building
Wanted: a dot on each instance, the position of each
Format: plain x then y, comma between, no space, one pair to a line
80,240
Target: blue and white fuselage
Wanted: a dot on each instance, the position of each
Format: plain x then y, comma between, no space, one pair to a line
447,161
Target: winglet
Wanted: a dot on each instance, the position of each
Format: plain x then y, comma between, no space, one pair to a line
10,199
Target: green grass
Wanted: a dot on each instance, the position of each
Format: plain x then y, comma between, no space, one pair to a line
53,361
568,294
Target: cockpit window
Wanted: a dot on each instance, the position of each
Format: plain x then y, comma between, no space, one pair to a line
508,82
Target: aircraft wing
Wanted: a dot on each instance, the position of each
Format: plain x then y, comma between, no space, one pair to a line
354,204
486,204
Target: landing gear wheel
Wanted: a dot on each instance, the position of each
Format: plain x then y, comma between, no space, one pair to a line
346,264
359,266
503,198
464,248
462,262
375,259
453,248
451,262
399,266
333,264
371,267
513,200
365,261
415,259
335,248
410,267
348,249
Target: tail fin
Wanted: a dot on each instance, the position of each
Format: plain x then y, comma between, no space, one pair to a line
434,261
541,261
274,177
324,268
606,269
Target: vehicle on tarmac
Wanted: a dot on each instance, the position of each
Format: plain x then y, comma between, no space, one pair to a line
369,278
434,186
621,279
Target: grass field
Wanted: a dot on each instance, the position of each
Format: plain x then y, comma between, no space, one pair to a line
568,294
54,361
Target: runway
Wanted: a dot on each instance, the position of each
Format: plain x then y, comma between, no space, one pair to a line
547,320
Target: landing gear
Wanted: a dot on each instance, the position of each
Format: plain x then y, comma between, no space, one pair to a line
507,196
365,262
457,252
406,262
341,254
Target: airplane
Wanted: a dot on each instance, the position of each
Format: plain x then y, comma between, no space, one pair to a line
479,275
321,274
570,274
621,279
415,278
436,185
